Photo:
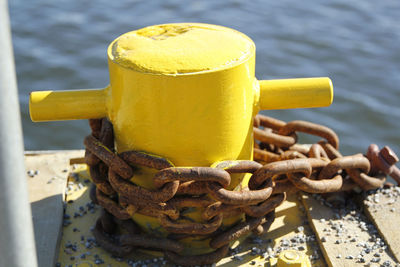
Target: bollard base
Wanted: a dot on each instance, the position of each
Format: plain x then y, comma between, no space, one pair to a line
79,248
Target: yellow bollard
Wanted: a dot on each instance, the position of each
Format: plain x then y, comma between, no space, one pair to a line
186,92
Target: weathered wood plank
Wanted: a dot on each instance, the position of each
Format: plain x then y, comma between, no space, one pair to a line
383,208
345,235
47,175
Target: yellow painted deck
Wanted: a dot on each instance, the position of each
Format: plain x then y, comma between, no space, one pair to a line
67,239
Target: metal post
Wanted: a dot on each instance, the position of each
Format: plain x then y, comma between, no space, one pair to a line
17,246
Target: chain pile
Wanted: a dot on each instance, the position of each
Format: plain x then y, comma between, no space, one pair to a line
325,170
283,167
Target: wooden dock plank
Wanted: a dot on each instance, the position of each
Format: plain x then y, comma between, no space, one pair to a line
47,176
345,235
383,208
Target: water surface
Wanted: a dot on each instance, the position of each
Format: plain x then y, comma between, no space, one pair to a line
62,45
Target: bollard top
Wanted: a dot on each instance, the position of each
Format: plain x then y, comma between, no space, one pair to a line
181,48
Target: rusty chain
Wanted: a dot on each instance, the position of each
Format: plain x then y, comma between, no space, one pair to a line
281,167
330,171
176,189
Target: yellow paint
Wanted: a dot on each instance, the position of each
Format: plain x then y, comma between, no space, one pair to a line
296,93
68,105
186,92
293,258
84,264
181,48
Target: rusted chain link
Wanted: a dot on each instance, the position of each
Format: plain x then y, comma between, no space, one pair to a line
124,244
136,195
239,230
191,228
310,128
111,206
266,207
283,167
243,197
112,160
384,160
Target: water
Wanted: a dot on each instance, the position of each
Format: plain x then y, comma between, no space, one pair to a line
62,45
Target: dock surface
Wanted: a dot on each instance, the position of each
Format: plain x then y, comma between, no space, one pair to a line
64,216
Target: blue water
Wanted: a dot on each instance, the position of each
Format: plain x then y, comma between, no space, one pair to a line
62,45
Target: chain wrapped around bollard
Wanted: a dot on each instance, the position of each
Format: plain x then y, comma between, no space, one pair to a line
176,188
281,167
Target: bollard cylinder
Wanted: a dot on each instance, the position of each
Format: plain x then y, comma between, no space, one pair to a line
183,100
186,92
